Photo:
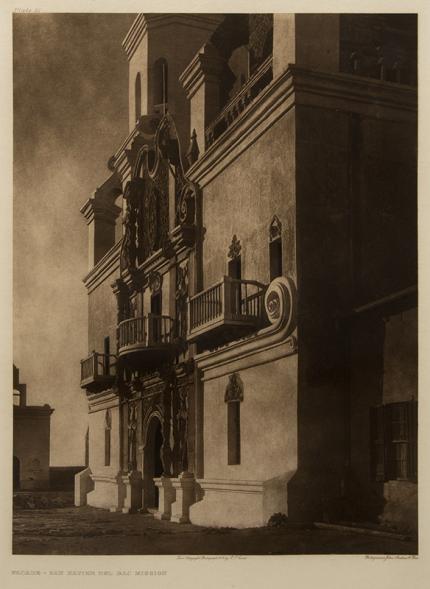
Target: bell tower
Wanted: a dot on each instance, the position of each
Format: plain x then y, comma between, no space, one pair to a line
159,47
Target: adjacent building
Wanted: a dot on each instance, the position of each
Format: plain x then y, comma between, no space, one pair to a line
252,284
31,437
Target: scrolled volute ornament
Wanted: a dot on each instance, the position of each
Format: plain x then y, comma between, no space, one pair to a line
186,207
280,302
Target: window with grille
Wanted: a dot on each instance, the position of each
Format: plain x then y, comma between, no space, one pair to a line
393,430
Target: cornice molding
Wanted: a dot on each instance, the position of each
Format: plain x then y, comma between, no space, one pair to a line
207,65
101,401
41,411
352,93
146,22
300,87
101,206
100,211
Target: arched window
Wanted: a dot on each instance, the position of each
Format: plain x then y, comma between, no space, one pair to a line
138,97
275,248
160,84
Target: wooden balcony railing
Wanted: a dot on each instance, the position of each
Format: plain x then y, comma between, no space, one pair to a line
149,332
259,80
97,368
228,302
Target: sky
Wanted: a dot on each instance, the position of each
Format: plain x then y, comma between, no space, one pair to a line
70,82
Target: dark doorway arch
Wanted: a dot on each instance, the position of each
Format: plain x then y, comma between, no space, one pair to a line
153,465
16,473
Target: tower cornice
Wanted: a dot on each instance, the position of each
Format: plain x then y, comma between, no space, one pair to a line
145,22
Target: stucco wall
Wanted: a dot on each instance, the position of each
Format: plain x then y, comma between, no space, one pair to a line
97,442
253,188
268,423
102,315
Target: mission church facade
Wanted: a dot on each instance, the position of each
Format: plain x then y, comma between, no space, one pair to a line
252,277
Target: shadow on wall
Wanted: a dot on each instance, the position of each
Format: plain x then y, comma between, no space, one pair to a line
333,479
356,451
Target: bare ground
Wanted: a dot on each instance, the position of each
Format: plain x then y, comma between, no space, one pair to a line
86,530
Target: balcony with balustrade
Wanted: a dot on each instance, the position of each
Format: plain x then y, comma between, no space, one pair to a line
240,102
146,340
227,310
98,371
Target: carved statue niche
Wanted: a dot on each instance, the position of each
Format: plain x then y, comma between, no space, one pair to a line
234,390
155,280
181,295
153,227
147,195
168,376
132,435
275,229
133,194
182,428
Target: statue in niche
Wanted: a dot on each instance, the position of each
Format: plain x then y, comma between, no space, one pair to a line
181,295
132,436
182,425
129,251
167,375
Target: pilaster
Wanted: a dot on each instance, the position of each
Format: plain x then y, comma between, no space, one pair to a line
133,492
310,41
166,496
202,83
101,212
184,486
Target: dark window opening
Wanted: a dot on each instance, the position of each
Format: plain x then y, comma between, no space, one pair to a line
235,272
107,446
235,268
275,254
233,432
155,321
160,80
156,303
137,98
106,352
